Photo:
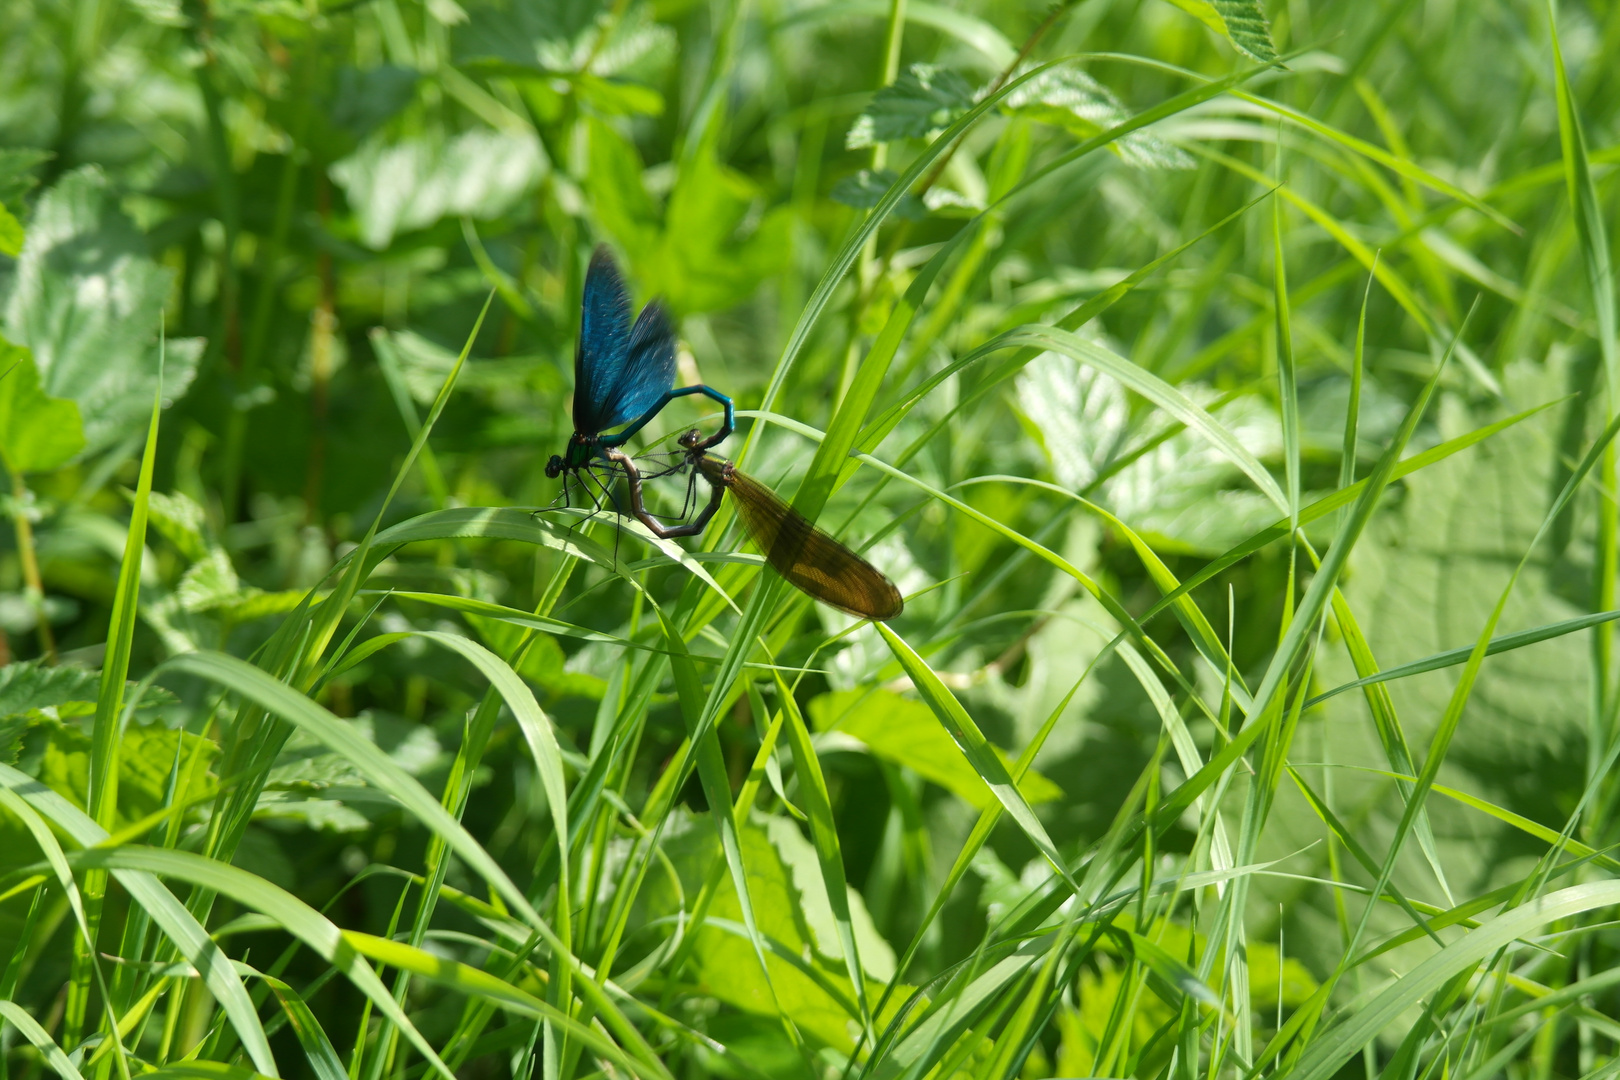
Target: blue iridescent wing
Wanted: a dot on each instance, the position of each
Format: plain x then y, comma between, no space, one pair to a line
649,368
604,344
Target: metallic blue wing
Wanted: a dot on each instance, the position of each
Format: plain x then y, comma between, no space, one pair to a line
649,368
604,343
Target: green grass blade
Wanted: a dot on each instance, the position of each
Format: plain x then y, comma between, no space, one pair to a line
1287,373
306,924
1452,657
1587,208
318,1051
40,1039
976,748
1323,1058
852,246
378,768
103,765
182,929
824,834
1151,387
1397,165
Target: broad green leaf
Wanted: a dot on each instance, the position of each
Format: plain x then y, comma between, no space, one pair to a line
970,30
363,100
181,521
209,583
397,187
17,165
1245,22
147,757
30,684
906,733
88,302
553,39
1141,381
38,433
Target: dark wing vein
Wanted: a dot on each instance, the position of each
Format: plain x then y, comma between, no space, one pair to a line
809,558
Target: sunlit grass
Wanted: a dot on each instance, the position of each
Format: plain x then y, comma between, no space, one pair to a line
1231,399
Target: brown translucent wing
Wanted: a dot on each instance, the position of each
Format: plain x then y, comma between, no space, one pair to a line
803,554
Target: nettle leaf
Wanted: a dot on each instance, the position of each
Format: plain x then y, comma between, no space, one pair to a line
147,757
88,302
30,685
182,522
907,733
209,583
866,189
38,433
396,187
1247,28
1242,22
923,100
1069,98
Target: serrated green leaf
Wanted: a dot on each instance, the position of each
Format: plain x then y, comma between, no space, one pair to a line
38,432
924,99
209,583
1246,26
364,100
30,684
147,754
88,301
1242,22
794,920
181,521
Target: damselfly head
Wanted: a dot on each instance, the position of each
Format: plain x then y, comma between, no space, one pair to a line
690,438
554,467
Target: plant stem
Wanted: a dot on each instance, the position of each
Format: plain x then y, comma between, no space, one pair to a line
32,585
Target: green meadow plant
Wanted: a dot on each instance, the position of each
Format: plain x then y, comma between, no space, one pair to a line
1232,389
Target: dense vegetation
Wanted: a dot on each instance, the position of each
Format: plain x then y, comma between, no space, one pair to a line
1230,390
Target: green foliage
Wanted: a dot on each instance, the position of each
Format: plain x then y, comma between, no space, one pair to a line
904,732
88,301
690,254
1253,708
38,433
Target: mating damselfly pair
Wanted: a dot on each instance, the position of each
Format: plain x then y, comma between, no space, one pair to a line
624,375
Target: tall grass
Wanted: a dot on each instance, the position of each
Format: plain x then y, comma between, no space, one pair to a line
1231,391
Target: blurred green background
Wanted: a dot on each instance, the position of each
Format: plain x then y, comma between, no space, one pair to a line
1080,302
